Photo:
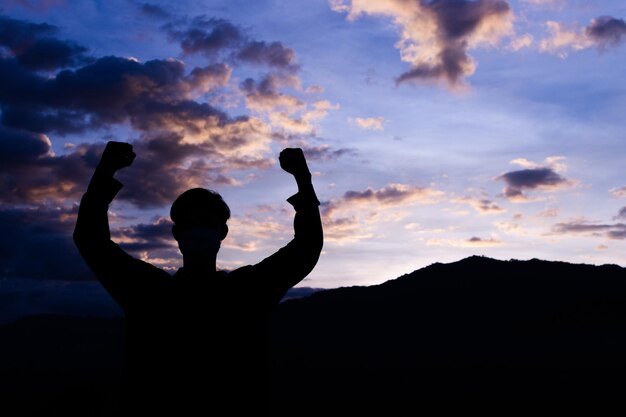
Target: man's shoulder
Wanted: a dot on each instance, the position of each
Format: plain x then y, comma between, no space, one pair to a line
242,270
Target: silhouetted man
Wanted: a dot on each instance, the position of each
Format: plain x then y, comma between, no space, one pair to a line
196,341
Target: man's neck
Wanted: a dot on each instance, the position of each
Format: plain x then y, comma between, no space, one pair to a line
199,266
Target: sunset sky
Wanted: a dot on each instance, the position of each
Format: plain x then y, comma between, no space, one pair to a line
435,130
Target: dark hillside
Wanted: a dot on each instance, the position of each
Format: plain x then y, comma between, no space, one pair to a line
474,331
477,329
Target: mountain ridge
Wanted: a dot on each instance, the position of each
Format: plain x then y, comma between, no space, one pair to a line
468,330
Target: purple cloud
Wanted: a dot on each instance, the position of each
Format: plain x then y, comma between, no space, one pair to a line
530,179
606,30
35,47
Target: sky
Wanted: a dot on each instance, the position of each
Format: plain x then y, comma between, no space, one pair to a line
434,130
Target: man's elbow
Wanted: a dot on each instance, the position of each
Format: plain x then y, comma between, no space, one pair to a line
313,254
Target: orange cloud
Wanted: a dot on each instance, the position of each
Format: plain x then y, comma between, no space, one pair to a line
370,123
435,37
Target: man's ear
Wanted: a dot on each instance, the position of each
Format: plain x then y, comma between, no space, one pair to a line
175,232
223,231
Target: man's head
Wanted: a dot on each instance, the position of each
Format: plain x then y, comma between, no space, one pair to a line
199,217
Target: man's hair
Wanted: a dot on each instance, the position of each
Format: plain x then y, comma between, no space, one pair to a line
199,207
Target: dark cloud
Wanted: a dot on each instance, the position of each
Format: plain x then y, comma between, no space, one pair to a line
325,152
154,10
207,36
37,243
150,95
19,147
273,54
475,240
265,94
35,175
451,64
44,120
390,196
621,214
156,178
529,179
182,142
457,23
146,236
204,78
215,38
35,47
393,193
606,31
487,206
615,231
158,174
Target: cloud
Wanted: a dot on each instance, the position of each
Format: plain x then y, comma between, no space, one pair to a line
32,174
562,40
213,37
534,177
524,41
370,123
273,54
304,122
154,10
618,192
284,111
153,95
18,147
182,140
349,218
621,214
258,231
437,35
471,242
529,179
37,243
165,167
146,236
206,36
345,230
35,47
325,152
615,231
393,195
603,32
264,95
480,204
349,211
606,31
549,212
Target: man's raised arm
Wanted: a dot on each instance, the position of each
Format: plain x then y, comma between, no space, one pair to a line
113,267
294,262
